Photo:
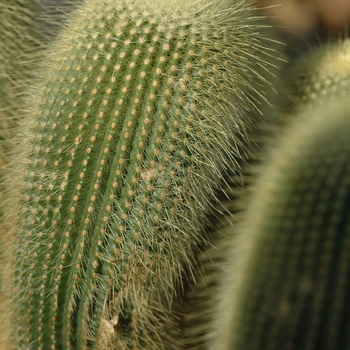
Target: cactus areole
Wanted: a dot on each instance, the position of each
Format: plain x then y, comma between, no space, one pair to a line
138,110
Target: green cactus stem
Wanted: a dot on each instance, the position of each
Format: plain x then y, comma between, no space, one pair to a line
21,37
194,306
275,291
141,108
290,285
319,76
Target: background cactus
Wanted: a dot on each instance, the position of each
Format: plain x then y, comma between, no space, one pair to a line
286,278
292,278
317,77
140,109
194,307
21,40
21,36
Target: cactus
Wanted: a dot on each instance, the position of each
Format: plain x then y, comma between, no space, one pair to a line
140,108
21,39
319,76
291,288
286,277
193,308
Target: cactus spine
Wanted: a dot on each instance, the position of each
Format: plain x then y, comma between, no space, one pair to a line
141,107
286,281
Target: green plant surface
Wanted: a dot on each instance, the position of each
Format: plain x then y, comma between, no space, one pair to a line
20,40
194,308
253,312
196,298
318,76
140,109
286,283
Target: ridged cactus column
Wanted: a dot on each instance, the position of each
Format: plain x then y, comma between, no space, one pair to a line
140,108
286,284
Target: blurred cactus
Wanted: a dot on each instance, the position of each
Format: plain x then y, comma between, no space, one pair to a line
21,39
291,287
286,278
21,36
140,110
319,76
